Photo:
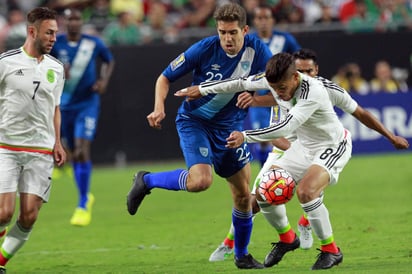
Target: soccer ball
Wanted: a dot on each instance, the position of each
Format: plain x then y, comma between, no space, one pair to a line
277,186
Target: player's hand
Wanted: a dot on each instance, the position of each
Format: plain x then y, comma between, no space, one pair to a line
100,86
400,143
59,154
155,118
244,100
235,139
191,93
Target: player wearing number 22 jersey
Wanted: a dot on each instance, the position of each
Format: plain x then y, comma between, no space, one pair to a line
204,124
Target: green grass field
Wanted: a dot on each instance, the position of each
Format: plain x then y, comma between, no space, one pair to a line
175,232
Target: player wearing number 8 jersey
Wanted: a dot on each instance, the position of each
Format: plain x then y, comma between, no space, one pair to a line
31,83
315,159
204,124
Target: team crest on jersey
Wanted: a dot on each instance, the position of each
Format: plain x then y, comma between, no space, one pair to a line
50,76
203,151
215,67
178,61
258,76
245,65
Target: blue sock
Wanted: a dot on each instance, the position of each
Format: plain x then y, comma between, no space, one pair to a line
242,222
82,172
171,180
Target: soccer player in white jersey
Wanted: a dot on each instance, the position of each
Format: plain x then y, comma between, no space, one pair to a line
315,159
31,83
204,124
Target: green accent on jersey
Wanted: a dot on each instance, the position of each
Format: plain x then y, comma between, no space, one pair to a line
327,241
50,76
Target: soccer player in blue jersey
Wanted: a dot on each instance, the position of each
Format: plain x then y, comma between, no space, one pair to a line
277,41
204,124
80,103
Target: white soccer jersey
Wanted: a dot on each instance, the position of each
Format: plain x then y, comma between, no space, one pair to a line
311,111
29,93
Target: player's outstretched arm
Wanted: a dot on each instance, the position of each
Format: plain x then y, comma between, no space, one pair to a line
366,118
191,93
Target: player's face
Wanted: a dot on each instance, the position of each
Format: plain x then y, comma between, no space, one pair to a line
307,66
232,37
286,88
45,36
74,23
263,20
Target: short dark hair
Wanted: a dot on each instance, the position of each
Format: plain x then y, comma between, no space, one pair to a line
231,12
280,66
306,54
40,14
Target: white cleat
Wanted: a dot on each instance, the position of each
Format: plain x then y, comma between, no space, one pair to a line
305,236
221,253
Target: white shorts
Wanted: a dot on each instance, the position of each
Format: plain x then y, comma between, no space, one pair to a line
297,159
26,172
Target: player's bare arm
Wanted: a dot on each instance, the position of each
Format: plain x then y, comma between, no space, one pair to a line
370,121
191,93
158,114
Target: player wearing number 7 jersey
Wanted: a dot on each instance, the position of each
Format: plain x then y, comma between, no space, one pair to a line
204,124
31,83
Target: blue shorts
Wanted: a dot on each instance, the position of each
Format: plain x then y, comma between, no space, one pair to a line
79,124
202,144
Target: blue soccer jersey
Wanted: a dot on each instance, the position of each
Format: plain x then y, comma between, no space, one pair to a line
208,61
280,41
80,60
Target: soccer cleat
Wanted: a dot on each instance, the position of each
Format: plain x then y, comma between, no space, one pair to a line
81,217
2,269
248,262
327,260
305,236
279,249
221,253
137,193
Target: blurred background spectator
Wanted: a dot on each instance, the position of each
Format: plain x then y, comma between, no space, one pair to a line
98,14
123,31
385,81
350,78
134,7
287,12
13,33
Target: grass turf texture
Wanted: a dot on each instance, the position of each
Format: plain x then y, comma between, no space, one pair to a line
175,232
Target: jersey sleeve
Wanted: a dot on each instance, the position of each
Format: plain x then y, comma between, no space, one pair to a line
58,90
104,52
339,96
251,83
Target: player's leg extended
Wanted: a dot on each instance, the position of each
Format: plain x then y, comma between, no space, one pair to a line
308,192
242,218
225,249
196,149
19,233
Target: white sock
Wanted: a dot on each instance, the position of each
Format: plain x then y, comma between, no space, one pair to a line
275,215
15,239
318,217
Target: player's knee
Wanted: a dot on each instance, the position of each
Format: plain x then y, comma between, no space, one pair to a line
306,194
6,214
28,219
199,183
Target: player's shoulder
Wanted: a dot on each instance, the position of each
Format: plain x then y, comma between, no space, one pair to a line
330,85
311,87
53,61
10,53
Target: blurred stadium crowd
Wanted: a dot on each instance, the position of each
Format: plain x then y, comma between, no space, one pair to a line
142,22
